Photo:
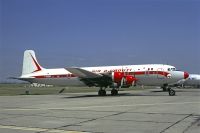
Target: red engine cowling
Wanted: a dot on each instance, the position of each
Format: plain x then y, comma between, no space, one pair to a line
117,77
129,80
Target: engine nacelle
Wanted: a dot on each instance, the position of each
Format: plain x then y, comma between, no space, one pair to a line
129,80
123,80
117,77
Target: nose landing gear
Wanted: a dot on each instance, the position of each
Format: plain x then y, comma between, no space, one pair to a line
171,92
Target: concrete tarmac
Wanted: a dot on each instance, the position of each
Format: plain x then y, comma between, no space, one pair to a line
144,111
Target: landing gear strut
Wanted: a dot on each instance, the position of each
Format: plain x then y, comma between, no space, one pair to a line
165,88
102,92
171,92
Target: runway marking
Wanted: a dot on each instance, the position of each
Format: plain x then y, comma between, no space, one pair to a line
107,106
38,129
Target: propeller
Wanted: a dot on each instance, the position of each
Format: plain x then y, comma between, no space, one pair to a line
122,81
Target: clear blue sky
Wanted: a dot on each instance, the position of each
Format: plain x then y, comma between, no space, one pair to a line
99,32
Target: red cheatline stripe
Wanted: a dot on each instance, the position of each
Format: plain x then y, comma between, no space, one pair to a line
128,73
36,64
149,72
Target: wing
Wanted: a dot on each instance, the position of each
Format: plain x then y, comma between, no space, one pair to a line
90,78
81,73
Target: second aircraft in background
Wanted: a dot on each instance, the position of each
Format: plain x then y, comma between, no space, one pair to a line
193,81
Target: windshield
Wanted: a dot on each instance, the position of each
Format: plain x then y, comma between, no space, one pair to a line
172,69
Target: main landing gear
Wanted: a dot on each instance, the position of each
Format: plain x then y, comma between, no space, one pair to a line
114,92
102,92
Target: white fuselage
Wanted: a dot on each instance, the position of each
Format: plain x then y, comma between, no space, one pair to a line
150,74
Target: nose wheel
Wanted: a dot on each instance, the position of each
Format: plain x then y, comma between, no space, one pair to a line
171,92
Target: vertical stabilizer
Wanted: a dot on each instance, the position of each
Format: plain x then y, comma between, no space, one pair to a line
30,63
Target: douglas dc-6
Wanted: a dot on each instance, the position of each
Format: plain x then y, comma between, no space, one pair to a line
103,76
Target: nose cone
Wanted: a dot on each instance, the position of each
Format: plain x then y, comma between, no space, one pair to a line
186,75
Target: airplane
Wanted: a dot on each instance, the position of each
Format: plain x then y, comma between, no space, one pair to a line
114,77
192,80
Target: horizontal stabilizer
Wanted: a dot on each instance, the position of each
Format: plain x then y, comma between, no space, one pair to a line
20,78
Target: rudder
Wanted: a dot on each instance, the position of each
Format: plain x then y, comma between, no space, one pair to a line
30,63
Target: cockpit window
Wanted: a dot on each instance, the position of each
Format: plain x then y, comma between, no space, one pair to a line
171,69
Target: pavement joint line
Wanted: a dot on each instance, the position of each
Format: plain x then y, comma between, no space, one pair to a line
89,120
41,114
140,121
111,106
38,129
176,123
193,123
38,115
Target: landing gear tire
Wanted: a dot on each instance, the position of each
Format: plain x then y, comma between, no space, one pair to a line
172,92
114,92
102,92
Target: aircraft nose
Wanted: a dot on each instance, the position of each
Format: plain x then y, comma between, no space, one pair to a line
186,75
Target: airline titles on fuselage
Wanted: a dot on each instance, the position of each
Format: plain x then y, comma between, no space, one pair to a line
112,70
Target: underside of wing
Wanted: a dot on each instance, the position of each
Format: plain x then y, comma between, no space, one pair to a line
90,78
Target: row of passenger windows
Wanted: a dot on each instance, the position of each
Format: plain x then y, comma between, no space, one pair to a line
148,69
169,69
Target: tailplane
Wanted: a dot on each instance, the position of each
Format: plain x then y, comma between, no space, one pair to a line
30,63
